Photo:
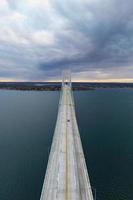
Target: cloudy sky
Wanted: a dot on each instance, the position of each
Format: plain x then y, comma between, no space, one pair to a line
41,38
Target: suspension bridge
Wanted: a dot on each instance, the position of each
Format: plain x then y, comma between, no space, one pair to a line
66,176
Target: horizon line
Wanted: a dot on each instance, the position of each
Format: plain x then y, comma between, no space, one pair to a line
74,81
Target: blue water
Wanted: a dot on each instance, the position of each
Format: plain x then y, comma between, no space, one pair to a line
105,120
27,121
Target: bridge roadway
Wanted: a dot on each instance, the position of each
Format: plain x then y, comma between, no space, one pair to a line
66,175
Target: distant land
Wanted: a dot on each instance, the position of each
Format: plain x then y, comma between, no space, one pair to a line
55,86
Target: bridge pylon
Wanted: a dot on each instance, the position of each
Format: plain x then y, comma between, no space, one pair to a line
66,79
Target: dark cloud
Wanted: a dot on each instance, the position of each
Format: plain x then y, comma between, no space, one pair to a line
81,35
109,28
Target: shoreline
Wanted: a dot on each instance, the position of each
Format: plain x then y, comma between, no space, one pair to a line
57,87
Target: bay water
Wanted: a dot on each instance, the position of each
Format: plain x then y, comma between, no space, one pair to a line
27,122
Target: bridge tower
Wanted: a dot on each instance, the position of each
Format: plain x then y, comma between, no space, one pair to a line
66,80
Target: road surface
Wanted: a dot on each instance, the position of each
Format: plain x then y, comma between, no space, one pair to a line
66,175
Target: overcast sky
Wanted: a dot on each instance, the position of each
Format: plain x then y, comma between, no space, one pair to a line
40,38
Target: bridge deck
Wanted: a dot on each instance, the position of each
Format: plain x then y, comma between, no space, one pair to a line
66,176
